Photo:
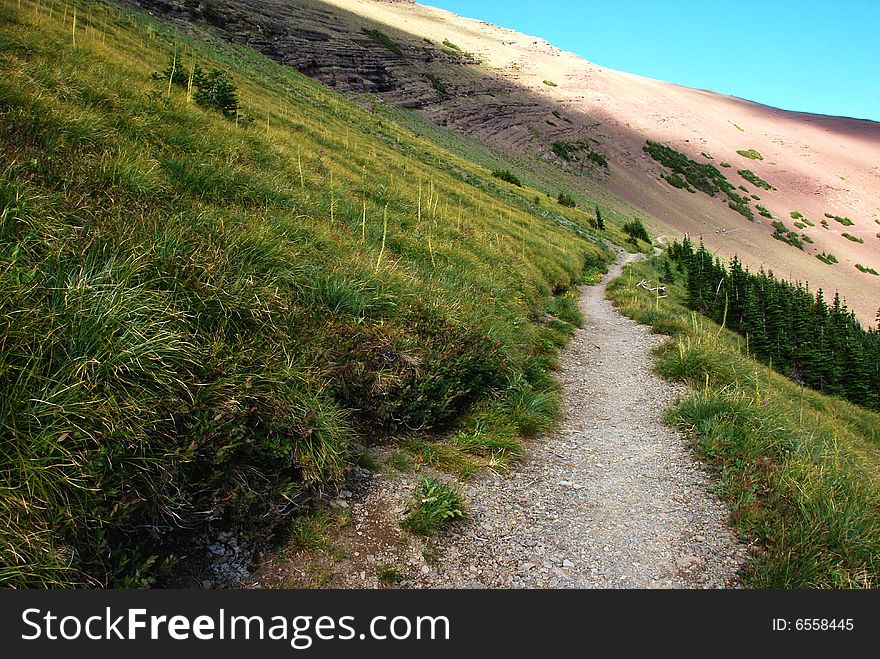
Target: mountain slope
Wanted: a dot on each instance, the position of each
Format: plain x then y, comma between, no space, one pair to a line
491,83
203,316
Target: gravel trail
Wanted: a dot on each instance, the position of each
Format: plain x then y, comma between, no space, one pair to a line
613,500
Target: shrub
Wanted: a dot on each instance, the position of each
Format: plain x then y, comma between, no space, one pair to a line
754,179
785,235
750,153
852,238
845,221
211,89
565,199
866,269
827,258
564,150
434,504
705,177
765,213
676,181
636,230
550,83
506,175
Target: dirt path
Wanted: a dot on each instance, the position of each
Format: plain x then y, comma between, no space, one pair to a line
612,500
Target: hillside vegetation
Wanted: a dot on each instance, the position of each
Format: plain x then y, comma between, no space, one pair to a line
797,467
200,314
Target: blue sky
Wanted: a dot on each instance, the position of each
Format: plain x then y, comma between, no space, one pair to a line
819,56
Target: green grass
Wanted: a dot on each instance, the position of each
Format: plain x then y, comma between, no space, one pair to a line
310,531
400,461
198,318
750,153
434,505
389,575
798,469
441,456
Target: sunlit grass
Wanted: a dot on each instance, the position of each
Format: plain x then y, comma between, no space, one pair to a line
198,315
800,470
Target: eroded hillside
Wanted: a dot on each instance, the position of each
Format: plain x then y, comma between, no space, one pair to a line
812,182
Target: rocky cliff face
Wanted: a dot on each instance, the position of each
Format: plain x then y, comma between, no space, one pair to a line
345,52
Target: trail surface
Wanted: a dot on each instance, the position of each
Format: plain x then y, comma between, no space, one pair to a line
613,499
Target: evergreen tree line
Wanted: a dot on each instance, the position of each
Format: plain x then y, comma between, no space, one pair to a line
815,343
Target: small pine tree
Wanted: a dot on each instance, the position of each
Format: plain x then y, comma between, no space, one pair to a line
176,71
214,90
599,221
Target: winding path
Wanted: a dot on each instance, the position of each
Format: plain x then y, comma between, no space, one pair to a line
613,500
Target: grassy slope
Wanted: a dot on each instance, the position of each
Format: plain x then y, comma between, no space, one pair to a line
799,469
196,319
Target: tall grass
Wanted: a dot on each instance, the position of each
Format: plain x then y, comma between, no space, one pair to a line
197,315
799,470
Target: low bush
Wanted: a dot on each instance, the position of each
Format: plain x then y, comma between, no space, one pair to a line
434,504
565,199
751,154
507,176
